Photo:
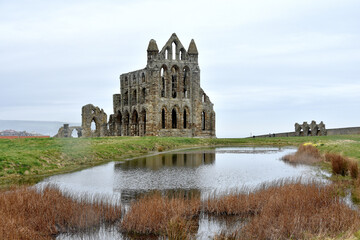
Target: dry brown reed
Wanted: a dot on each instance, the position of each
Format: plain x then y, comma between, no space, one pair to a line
306,154
163,215
294,211
241,204
339,164
354,169
342,165
27,213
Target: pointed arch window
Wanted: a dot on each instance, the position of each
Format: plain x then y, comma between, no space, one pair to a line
144,122
134,97
93,125
143,77
185,119
126,98
162,82
143,95
163,118
182,54
174,81
174,118
127,124
203,120
173,50
186,83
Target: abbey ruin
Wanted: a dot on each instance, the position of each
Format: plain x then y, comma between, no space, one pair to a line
163,99
311,129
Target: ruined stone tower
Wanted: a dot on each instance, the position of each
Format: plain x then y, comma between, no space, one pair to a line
164,98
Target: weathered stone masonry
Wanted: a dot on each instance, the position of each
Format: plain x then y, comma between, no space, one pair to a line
163,99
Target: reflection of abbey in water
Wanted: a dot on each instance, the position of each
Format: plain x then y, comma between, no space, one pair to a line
139,176
169,160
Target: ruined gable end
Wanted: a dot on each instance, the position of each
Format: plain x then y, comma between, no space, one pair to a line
164,98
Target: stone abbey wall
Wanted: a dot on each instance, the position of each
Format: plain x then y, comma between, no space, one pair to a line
163,99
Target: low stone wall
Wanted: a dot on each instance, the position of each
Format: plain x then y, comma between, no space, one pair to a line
285,134
343,131
330,132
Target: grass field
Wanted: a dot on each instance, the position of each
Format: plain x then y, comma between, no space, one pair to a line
301,211
30,160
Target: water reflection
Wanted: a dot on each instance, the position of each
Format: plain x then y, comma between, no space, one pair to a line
195,173
190,160
201,170
128,195
172,173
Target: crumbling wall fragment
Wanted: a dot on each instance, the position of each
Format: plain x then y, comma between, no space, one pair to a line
91,114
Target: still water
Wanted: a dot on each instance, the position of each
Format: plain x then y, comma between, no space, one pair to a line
199,171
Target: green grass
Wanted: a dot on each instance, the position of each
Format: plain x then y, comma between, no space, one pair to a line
31,159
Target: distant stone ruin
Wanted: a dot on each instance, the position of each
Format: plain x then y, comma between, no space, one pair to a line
310,130
66,131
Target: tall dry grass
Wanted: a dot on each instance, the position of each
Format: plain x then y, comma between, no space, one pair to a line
241,204
339,164
290,211
163,215
342,165
306,154
354,169
27,213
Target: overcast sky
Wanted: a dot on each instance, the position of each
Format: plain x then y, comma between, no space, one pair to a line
264,64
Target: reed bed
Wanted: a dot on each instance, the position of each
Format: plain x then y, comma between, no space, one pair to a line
29,213
162,215
306,154
285,209
291,211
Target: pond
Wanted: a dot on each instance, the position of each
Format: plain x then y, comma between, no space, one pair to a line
198,171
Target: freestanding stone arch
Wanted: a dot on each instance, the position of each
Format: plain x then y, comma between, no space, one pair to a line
89,114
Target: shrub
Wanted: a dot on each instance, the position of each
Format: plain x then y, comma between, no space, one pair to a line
309,150
339,164
307,154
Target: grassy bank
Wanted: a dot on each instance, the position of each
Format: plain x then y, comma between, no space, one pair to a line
29,160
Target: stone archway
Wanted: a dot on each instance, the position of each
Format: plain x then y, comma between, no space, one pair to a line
134,124
76,132
143,123
118,124
126,124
